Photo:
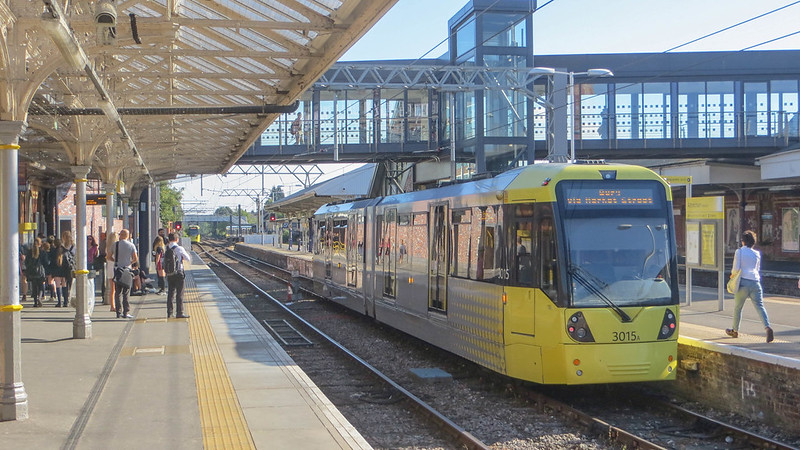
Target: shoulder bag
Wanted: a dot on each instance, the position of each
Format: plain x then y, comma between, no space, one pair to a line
122,275
736,277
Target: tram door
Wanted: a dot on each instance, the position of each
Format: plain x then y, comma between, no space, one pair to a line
328,249
438,256
351,248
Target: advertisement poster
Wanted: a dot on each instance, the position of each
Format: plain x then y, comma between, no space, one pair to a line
693,243
790,238
732,242
709,251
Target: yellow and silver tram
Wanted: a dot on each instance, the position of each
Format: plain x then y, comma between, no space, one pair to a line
194,232
551,273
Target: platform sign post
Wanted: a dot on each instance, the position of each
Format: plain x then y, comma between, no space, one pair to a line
687,181
705,217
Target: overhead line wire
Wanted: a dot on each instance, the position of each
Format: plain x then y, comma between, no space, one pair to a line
672,72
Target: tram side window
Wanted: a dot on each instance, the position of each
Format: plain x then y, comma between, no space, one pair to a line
548,270
419,243
388,251
404,237
460,256
321,237
339,228
523,244
482,257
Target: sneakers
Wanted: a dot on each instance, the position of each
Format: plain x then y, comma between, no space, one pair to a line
770,335
731,332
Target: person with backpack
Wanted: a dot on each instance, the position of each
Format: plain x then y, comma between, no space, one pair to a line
34,270
174,269
66,264
123,254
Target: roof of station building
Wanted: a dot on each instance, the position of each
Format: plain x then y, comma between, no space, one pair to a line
176,86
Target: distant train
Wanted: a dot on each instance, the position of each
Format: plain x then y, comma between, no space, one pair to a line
552,273
193,231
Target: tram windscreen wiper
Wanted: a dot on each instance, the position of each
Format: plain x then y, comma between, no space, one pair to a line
594,285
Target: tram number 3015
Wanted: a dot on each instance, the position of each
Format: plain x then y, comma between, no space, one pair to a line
624,336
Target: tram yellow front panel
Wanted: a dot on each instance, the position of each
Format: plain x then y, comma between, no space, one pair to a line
610,363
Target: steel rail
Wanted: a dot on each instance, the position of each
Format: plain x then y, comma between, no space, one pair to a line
749,436
462,436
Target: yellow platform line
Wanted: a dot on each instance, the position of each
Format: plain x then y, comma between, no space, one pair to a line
221,416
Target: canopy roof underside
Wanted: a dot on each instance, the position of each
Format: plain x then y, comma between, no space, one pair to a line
239,60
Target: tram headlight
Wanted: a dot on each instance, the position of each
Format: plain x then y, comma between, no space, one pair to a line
578,329
668,325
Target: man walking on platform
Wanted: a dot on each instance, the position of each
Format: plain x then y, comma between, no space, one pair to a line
173,267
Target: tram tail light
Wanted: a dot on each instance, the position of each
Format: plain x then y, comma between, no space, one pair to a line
578,329
668,325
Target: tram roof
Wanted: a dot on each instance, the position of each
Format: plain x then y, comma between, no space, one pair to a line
179,86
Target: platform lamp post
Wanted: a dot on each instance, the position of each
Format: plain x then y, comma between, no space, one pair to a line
571,97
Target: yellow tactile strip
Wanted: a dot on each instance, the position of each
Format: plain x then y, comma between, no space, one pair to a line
221,415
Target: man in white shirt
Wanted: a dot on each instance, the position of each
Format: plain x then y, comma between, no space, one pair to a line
175,280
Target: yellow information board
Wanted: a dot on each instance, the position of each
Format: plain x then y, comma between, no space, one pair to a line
672,180
704,208
709,244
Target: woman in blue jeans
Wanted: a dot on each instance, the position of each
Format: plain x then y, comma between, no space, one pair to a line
749,262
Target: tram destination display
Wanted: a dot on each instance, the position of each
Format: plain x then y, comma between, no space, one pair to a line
604,195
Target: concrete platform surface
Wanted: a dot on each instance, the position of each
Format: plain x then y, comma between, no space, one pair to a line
215,380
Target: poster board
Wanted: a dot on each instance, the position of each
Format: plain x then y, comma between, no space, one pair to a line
705,218
693,243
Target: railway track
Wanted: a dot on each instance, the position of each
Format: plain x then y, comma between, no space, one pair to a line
286,333
682,428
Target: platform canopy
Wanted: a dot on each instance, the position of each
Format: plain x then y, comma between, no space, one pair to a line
354,185
146,89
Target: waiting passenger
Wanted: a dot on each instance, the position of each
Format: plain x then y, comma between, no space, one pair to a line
34,269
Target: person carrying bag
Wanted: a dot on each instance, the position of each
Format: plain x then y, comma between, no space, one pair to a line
736,277
746,267
124,256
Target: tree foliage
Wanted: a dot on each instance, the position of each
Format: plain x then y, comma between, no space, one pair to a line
275,194
170,199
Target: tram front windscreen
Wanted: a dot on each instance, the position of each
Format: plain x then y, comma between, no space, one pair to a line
618,243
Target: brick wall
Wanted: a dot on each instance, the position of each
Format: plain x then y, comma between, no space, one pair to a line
95,221
765,388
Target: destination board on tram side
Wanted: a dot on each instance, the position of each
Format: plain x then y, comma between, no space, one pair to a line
615,197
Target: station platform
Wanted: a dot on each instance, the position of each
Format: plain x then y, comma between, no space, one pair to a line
704,321
215,380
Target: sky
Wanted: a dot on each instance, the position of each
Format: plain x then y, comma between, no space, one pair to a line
417,28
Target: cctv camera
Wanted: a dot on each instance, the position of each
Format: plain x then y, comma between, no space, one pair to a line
106,13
